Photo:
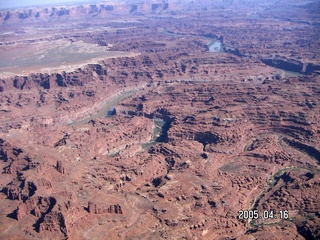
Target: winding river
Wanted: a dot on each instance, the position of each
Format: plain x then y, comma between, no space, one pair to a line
214,44
105,107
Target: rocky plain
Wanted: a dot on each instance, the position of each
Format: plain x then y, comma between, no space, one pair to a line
160,120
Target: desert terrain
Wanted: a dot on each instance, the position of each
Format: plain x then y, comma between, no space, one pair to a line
160,120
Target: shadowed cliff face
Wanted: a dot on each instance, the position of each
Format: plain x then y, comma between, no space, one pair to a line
293,66
206,138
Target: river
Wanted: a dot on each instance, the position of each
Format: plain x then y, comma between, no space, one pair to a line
214,45
108,104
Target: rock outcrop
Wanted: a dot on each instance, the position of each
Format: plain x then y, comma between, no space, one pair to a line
94,208
59,167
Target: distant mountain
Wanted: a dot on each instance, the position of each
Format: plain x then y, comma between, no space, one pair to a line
101,8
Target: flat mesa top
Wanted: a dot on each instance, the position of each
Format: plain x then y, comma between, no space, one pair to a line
47,56
4,4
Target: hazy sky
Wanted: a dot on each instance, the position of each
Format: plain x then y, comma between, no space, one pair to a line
22,3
